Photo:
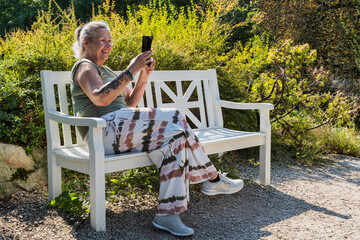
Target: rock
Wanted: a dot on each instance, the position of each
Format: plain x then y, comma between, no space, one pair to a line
7,188
36,179
6,171
39,157
12,158
15,156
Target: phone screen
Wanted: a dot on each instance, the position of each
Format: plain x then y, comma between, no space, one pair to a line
146,43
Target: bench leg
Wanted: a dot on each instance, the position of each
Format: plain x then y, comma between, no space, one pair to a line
54,177
265,164
97,200
97,180
265,150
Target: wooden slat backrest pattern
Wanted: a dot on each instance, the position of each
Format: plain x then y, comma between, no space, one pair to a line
169,85
60,81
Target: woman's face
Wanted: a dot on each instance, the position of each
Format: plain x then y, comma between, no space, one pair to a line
99,47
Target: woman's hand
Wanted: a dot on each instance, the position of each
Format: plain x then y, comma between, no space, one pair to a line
137,92
150,66
139,62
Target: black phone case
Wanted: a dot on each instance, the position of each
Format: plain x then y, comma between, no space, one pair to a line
146,43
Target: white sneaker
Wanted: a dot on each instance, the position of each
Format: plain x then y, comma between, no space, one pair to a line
172,224
224,186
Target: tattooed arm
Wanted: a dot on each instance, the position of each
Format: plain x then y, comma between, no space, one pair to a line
90,81
103,94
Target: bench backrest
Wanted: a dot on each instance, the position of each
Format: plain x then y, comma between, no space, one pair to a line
192,92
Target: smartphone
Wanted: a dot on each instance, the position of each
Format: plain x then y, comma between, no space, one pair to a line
146,43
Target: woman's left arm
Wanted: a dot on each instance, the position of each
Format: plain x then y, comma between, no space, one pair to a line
137,93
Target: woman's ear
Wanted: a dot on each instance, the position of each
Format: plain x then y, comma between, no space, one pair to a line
85,42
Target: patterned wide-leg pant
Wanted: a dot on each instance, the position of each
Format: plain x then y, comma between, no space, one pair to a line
170,143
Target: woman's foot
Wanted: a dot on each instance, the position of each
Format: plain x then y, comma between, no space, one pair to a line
223,186
172,224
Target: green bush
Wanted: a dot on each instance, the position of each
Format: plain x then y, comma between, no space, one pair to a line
341,140
184,38
24,55
303,95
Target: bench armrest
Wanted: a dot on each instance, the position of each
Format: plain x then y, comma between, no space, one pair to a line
245,106
264,108
77,121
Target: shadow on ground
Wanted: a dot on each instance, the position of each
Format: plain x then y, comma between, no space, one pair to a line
238,216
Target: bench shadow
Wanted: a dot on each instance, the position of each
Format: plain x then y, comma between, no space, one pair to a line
254,208
212,217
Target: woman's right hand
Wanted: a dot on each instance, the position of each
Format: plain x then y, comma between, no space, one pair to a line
139,62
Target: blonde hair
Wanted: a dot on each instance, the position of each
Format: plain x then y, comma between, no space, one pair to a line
86,31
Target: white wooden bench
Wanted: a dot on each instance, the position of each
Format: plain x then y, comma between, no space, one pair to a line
201,94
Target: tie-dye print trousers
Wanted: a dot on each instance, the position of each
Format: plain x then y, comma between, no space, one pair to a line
170,143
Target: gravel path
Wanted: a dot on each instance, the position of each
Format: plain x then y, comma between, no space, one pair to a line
302,203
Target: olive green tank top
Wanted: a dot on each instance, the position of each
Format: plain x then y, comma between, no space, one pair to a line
83,106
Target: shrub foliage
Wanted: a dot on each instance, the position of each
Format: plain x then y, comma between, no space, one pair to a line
249,69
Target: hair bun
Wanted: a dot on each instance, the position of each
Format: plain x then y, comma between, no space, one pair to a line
78,32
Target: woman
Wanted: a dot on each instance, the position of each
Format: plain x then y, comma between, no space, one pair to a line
163,133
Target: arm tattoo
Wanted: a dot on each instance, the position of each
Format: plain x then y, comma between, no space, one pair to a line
114,84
